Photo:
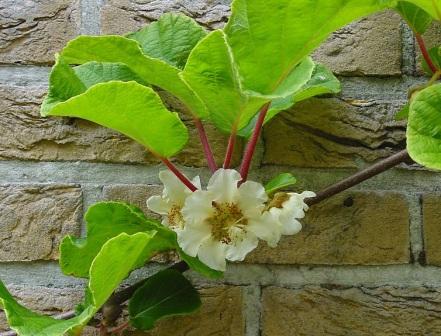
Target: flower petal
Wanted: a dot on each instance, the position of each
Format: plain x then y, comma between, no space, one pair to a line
159,205
191,238
267,227
223,184
239,248
290,225
198,207
174,189
252,197
213,253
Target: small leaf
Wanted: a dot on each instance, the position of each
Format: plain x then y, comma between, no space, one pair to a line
435,56
403,114
106,220
167,293
424,127
132,109
418,19
280,182
170,39
118,49
212,74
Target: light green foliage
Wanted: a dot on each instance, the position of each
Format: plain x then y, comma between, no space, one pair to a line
424,128
106,220
118,49
280,182
132,109
269,38
212,73
416,17
167,293
322,81
170,39
403,113
117,258
432,7
66,82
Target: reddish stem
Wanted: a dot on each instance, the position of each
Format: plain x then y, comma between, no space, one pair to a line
179,175
425,53
230,148
206,145
251,146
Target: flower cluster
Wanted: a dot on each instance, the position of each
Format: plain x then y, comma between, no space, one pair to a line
225,221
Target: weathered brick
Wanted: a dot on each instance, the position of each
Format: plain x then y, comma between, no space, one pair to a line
371,46
34,218
383,311
432,228
120,17
33,31
325,133
220,314
24,135
355,228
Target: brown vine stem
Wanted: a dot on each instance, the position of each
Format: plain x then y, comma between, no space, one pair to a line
361,176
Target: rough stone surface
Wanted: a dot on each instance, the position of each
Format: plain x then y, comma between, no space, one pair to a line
33,31
48,301
384,311
354,228
24,135
34,218
325,133
432,228
370,47
120,17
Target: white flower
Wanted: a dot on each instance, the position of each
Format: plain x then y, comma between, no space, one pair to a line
287,208
170,204
225,221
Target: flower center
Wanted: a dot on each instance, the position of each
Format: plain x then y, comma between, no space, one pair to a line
175,218
226,216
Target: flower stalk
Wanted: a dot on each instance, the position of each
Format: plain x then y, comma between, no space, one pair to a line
425,52
230,149
179,175
206,145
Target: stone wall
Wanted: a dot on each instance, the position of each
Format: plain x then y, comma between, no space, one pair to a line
367,261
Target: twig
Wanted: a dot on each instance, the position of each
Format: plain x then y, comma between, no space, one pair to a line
206,145
251,146
361,176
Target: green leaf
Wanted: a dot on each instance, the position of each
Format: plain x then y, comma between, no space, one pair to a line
117,258
198,266
170,39
424,127
403,113
106,220
212,74
435,56
418,19
432,7
167,293
322,82
132,109
118,49
279,182
66,82
269,38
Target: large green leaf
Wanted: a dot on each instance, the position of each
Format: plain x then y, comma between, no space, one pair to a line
269,38
424,127
167,293
117,258
66,82
118,49
321,82
432,7
212,74
418,19
132,109
170,39
106,220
